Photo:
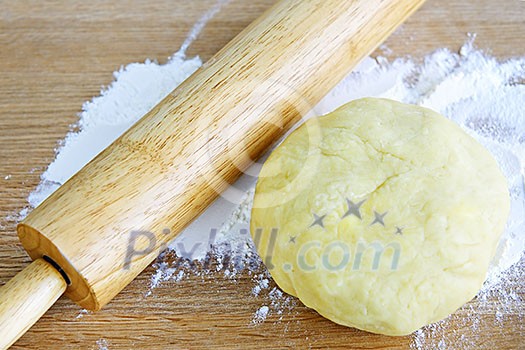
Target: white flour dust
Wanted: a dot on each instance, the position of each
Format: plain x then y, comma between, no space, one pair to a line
102,344
483,95
261,314
199,26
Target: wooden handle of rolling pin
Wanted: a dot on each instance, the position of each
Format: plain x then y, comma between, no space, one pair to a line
26,297
163,172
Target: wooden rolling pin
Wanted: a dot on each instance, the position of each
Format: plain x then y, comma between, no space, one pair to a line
163,172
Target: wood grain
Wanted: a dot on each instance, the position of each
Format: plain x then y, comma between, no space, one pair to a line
56,55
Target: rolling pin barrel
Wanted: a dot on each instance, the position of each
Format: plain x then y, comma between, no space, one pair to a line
163,172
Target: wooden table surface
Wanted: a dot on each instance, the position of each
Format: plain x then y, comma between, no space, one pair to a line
55,55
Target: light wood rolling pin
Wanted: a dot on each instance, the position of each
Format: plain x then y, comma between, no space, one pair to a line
165,170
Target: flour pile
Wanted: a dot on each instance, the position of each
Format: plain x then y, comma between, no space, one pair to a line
483,95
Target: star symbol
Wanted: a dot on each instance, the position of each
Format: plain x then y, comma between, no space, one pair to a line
318,220
399,231
379,218
353,208
292,239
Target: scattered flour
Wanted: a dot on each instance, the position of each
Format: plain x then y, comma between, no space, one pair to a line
199,26
262,284
102,344
483,95
261,314
82,313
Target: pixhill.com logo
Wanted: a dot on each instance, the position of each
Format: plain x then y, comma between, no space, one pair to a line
334,255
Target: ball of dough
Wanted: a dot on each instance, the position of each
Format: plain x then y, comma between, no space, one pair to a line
380,215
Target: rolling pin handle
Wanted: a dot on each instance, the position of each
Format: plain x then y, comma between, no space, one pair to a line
27,296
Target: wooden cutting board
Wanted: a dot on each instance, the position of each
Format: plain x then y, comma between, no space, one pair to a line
56,55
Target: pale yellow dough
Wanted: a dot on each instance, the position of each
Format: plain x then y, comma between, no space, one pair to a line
446,204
